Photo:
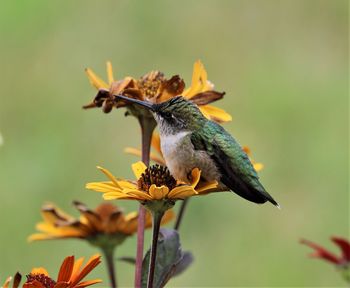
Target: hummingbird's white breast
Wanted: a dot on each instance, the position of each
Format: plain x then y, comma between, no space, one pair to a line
181,157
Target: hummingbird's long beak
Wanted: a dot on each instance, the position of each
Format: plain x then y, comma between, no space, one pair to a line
145,104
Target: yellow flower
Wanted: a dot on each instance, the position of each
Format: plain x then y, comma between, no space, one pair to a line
154,183
157,155
69,276
202,93
106,221
155,88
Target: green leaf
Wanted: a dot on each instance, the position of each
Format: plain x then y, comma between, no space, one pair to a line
127,259
170,261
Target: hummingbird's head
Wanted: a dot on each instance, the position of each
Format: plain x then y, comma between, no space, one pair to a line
174,115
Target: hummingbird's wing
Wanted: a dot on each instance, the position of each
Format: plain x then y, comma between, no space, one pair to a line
237,172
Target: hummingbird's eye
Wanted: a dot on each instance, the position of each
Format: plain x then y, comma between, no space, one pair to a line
167,115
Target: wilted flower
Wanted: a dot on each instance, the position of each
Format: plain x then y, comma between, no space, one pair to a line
70,275
154,183
155,88
107,223
157,155
342,261
15,283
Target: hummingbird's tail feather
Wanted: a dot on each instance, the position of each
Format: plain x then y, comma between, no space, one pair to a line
253,192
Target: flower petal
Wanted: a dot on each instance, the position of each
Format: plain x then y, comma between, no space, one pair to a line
138,168
116,195
158,193
321,252
90,265
77,264
344,245
110,73
127,184
39,270
97,82
33,284
196,175
109,175
66,269
102,187
87,283
52,214
215,113
60,231
207,187
139,194
181,192
198,76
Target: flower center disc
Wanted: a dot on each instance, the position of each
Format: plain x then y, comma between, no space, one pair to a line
42,278
157,175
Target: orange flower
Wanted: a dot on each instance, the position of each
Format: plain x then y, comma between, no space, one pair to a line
157,155
155,88
107,221
70,275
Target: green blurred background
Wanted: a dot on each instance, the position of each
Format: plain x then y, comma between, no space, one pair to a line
284,67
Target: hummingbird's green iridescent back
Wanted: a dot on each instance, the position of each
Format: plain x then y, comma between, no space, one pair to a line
237,172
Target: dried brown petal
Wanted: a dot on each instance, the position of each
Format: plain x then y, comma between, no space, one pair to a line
207,97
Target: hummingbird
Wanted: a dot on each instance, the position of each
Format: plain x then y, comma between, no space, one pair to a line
189,140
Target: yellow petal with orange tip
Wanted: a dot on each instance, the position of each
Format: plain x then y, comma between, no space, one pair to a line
97,82
59,231
195,83
141,195
181,192
204,112
127,184
196,176
39,270
40,236
109,185
110,73
158,193
138,168
109,175
199,81
215,113
207,186
115,195
52,213
102,187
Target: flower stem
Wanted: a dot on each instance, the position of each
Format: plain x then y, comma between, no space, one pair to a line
147,127
109,255
181,214
157,217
